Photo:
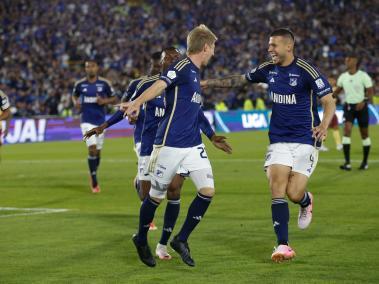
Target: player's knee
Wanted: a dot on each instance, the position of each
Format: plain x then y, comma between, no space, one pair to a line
295,196
173,194
158,190
207,191
92,151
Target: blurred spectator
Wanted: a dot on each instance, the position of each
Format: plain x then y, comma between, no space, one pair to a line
43,42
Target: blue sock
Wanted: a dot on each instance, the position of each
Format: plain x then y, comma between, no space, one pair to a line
146,216
170,216
195,213
280,218
305,201
92,164
97,162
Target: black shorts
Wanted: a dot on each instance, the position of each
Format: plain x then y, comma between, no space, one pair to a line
350,114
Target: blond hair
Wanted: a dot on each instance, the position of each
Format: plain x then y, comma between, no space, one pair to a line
198,37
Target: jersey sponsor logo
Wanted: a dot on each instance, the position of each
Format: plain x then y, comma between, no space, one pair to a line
293,82
84,90
320,84
171,74
196,98
328,90
283,99
89,100
294,75
159,112
273,73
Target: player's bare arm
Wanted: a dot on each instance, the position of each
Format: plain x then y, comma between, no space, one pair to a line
106,101
337,91
227,82
320,132
133,108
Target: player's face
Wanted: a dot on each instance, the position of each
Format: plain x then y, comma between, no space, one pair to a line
155,66
209,52
168,58
278,48
351,62
91,68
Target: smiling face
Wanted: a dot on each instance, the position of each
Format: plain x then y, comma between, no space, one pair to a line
280,49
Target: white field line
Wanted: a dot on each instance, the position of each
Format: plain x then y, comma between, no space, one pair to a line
31,211
120,161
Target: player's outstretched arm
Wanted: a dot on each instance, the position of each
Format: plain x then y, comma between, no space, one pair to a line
227,82
132,108
320,132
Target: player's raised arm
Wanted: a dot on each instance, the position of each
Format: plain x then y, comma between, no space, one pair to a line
227,82
133,108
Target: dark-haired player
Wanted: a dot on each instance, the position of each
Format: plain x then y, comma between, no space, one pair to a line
295,129
90,96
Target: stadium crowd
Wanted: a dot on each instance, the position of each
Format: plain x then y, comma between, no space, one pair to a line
43,43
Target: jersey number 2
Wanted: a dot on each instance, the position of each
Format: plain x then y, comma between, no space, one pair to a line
203,154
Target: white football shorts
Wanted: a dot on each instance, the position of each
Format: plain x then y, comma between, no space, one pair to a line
166,161
93,140
302,158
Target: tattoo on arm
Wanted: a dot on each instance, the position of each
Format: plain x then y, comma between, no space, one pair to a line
227,82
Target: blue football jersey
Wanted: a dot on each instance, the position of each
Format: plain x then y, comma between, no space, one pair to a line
180,124
140,88
294,90
91,112
128,94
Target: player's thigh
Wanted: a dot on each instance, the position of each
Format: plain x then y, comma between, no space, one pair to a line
278,164
87,127
305,159
296,186
100,140
174,189
200,169
163,165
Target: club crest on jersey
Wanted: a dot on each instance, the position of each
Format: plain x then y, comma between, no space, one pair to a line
196,98
171,74
100,89
293,82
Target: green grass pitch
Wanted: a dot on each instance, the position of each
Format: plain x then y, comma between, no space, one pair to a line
91,243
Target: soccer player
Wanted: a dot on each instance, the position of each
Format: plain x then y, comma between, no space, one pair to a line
153,113
5,114
90,96
178,143
295,129
358,88
130,94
